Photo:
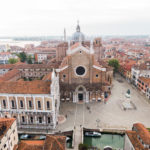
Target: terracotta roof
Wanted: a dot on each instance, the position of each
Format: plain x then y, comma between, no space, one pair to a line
25,87
31,145
47,77
143,133
52,142
142,66
134,140
26,66
5,124
7,66
145,80
55,142
9,75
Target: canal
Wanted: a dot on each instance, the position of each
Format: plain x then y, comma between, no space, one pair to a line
116,141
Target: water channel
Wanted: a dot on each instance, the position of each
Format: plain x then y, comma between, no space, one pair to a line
116,141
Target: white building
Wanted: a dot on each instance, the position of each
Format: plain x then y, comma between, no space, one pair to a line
5,56
35,104
142,70
8,133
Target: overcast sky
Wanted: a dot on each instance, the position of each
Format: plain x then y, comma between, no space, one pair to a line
97,17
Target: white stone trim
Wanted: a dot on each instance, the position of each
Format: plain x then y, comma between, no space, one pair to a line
99,68
21,110
61,69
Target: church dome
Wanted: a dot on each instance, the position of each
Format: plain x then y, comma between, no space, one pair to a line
78,36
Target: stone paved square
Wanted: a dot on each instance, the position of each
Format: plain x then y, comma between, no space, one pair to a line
110,114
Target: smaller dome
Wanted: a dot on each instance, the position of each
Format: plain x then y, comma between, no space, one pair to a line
78,36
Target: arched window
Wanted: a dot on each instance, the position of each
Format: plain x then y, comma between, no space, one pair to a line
31,119
4,103
49,120
23,119
21,104
30,104
48,105
40,119
39,104
13,104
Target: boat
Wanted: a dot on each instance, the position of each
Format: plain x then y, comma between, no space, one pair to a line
93,134
42,137
68,138
107,148
24,136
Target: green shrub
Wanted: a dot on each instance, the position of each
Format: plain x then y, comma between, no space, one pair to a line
83,146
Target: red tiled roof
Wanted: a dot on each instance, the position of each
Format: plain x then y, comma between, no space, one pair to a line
25,87
9,75
47,77
143,133
134,140
55,142
145,80
52,142
31,145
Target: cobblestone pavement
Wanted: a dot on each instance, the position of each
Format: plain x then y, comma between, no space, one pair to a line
110,114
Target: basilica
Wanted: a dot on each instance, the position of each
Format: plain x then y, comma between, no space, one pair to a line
78,74
84,77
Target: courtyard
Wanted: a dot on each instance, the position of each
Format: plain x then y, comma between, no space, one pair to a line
109,115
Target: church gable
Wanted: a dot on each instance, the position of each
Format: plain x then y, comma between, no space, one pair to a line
77,47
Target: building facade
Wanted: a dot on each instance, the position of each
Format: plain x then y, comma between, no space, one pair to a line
82,78
35,104
137,138
8,133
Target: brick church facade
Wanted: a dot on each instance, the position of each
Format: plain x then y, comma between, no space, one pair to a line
83,76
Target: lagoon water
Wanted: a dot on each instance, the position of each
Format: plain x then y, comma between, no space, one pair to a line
116,141
12,42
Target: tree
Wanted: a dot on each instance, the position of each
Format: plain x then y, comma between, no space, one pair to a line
83,146
22,56
12,60
114,63
29,59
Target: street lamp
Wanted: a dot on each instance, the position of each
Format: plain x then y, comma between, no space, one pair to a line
98,121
